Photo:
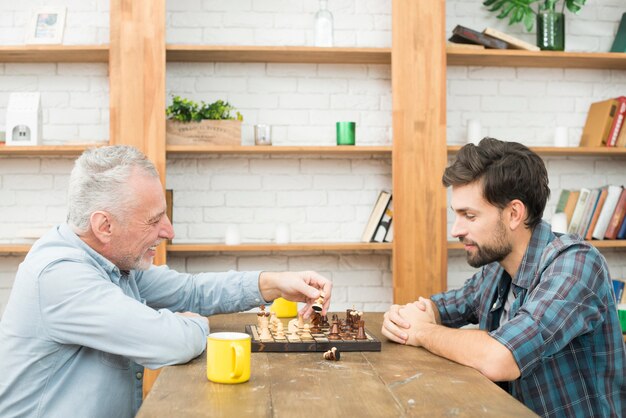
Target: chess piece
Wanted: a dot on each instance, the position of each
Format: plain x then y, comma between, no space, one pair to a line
280,333
319,302
300,322
333,354
360,335
325,323
265,334
292,326
316,318
334,331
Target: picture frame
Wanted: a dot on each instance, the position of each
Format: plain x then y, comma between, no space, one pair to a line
46,25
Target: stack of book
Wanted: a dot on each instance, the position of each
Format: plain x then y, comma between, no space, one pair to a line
379,227
595,213
604,124
464,37
618,289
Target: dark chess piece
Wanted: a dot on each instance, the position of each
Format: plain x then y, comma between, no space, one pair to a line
360,335
333,354
315,323
325,323
334,331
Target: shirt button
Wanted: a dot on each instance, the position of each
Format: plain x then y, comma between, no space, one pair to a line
257,300
139,375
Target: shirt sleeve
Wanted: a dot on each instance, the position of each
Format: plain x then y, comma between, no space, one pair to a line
567,302
459,307
80,305
204,293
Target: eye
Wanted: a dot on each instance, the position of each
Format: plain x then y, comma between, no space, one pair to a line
470,216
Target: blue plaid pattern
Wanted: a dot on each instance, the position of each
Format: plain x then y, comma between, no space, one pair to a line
563,328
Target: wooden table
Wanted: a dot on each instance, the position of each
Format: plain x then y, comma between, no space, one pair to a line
397,381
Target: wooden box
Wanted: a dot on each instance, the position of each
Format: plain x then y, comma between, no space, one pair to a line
205,132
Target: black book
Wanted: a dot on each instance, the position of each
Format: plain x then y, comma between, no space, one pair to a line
463,35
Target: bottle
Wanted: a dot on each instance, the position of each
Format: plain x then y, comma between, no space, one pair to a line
323,26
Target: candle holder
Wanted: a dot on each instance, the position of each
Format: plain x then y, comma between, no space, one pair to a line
346,133
262,134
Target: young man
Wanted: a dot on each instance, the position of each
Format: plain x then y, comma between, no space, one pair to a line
543,302
88,310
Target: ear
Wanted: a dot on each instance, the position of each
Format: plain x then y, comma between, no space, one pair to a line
516,214
101,226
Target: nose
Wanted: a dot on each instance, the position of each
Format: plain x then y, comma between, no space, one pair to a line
458,227
167,229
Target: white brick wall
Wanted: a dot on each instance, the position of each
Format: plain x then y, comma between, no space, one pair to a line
320,198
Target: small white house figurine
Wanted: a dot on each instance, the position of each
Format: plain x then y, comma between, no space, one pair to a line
24,119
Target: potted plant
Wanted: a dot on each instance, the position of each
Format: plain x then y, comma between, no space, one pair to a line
190,123
550,22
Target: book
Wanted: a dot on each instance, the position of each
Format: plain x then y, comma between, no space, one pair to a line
598,123
385,223
621,138
622,230
618,290
596,213
571,205
464,35
560,205
618,121
452,45
619,43
590,206
377,213
389,236
608,208
512,41
616,218
578,211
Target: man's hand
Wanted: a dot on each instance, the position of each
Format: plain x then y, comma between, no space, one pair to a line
395,327
302,286
418,318
400,318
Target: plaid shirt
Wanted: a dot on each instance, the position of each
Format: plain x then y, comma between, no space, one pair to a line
562,329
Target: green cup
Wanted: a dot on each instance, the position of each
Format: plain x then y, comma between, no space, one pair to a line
621,312
345,133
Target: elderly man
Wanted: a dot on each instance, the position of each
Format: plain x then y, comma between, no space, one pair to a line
88,310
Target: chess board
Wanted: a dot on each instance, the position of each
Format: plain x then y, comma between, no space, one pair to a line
314,342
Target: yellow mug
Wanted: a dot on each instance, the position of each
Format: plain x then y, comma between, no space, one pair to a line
284,308
228,357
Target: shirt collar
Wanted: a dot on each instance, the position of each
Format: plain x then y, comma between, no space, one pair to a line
66,232
541,236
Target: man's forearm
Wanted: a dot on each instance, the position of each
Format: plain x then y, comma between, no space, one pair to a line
473,348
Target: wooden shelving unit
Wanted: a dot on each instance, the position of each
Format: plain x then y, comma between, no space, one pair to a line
40,150
14,249
282,54
332,150
54,53
543,59
454,245
267,247
566,151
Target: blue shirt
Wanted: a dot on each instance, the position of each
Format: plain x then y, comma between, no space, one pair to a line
77,332
562,328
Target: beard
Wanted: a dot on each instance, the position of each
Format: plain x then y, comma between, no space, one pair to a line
495,251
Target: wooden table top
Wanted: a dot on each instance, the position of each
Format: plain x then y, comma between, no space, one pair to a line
397,381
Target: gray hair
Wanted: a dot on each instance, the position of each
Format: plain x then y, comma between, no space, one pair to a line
98,182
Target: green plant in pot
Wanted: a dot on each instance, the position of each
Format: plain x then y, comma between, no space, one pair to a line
190,123
550,22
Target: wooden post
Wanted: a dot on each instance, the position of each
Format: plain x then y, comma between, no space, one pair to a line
418,72
137,88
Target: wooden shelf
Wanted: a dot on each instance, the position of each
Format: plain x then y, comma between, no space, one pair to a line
265,247
544,59
195,149
14,249
621,243
38,150
566,151
54,53
282,54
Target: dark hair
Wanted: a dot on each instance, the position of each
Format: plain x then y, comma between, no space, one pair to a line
508,170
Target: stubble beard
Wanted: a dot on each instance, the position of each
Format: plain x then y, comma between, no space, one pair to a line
489,253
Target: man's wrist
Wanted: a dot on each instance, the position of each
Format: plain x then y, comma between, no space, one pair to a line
267,286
